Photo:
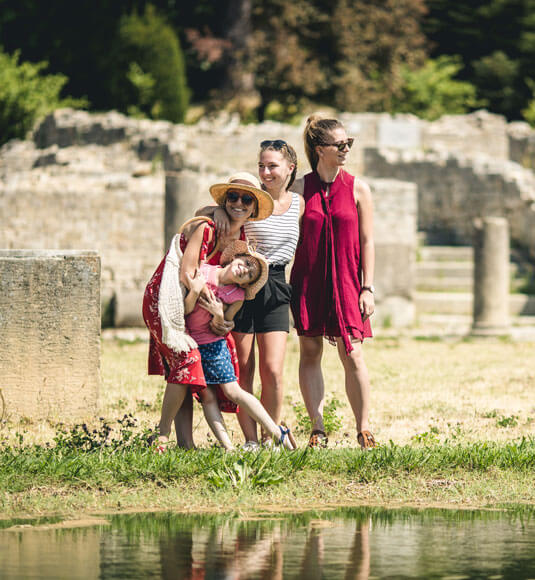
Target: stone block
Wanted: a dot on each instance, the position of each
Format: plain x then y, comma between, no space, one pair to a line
399,133
50,325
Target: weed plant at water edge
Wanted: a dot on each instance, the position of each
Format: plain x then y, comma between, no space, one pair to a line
102,462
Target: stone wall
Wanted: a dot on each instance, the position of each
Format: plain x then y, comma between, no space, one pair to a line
103,181
82,204
99,182
522,144
395,216
50,325
453,190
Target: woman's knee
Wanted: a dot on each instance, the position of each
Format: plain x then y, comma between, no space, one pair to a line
208,396
232,391
354,360
271,374
310,349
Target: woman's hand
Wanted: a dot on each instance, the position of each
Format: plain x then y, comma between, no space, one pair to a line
209,301
221,220
366,304
197,282
221,327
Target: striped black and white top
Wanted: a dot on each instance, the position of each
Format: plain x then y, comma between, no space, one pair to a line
276,237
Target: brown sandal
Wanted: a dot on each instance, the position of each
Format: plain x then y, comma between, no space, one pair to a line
366,440
318,439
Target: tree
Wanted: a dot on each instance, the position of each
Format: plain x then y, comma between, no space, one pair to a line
290,67
150,73
496,40
433,91
373,43
26,95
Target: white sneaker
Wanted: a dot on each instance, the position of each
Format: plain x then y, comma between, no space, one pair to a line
250,446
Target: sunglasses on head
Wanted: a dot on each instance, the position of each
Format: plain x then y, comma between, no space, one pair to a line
246,198
341,145
275,143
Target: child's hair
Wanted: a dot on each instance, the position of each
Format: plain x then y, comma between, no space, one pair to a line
287,151
317,132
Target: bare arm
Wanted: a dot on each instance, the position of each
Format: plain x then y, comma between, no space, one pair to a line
219,215
223,314
207,210
363,199
232,310
197,284
190,259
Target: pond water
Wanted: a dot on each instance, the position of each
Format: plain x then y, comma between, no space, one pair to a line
349,543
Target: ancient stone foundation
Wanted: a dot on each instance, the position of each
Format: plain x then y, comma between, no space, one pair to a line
50,325
122,187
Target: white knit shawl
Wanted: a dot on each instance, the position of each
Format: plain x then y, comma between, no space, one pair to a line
171,302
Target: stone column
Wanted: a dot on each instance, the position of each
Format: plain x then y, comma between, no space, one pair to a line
491,277
182,199
50,327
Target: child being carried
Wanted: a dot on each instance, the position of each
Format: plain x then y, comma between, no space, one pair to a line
219,292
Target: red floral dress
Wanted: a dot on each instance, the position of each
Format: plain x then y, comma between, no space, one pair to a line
185,368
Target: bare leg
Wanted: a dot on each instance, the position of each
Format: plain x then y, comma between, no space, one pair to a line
246,358
211,410
172,400
184,423
357,383
311,378
253,407
271,352
359,564
312,565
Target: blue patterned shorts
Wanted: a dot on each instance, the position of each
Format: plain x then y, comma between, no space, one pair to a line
216,363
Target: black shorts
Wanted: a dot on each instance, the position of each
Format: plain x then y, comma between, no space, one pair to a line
270,309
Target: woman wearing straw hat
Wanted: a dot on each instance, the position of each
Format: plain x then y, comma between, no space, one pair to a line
265,320
172,352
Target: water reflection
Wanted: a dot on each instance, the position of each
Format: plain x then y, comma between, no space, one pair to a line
354,544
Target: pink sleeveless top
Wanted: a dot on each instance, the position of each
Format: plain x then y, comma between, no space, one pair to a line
325,276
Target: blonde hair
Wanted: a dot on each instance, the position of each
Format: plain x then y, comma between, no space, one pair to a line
317,132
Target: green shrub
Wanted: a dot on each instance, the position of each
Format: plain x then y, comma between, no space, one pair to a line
152,78
529,111
26,95
432,90
331,420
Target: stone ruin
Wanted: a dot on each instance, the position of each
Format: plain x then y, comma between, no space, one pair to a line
121,186
50,322
86,186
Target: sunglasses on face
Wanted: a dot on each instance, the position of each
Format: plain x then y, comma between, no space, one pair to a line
275,143
246,199
342,144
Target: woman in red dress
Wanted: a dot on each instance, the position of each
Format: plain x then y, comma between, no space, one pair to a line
332,276
198,242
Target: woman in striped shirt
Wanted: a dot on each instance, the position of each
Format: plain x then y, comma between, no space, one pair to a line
266,318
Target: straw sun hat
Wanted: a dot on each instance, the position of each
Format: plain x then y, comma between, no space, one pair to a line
238,247
246,183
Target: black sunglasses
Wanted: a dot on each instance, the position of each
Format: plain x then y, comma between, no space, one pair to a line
342,145
275,143
246,199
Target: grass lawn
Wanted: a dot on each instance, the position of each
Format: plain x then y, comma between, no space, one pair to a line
454,419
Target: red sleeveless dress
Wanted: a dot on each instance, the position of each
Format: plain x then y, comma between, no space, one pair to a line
325,276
